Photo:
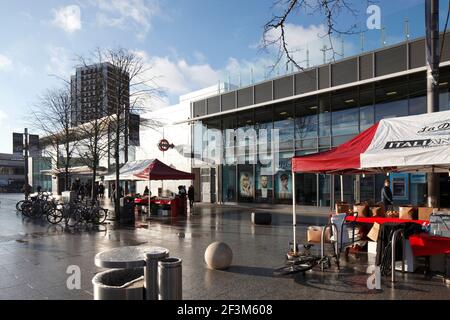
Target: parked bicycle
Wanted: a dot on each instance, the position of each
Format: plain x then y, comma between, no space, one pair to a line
305,261
73,214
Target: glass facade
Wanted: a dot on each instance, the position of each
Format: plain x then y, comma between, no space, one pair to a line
310,125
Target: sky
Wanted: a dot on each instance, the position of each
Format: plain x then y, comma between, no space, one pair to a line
188,44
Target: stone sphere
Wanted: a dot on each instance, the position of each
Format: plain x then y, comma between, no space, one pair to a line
218,255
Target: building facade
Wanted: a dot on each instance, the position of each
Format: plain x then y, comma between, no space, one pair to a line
97,86
165,126
312,111
12,170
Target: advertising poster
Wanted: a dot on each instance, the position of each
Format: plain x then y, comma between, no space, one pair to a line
18,144
33,145
265,186
246,184
284,185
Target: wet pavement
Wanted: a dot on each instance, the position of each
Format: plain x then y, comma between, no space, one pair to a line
34,257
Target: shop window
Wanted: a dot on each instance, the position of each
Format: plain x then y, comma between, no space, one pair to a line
229,183
366,117
284,123
324,116
307,120
349,190
391,98
324,190
306,189
345,113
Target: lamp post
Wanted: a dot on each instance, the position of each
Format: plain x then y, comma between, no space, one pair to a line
432,60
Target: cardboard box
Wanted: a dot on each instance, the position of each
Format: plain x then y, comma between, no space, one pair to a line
373,233
361,209
409,213
377,212
372,247
342,207
424,213
314,234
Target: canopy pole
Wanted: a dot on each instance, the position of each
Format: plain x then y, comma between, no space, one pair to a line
294,217
342,188
149,194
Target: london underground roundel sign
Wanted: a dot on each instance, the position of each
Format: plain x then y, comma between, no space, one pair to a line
164,145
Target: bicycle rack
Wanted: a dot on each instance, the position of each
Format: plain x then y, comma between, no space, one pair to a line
395,235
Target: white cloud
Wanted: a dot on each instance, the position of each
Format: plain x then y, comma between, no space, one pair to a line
119,13
5,63
60,62
3,117
177,77
67,18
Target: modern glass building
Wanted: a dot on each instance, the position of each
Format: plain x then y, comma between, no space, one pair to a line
315,110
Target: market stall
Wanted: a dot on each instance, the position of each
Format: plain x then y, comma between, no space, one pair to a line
157,170
153,169
418,143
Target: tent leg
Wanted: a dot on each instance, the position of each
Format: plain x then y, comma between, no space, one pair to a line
294,217
149,196
342,188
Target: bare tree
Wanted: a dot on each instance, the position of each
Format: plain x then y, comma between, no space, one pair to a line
94,134
51,117
132,91
327,10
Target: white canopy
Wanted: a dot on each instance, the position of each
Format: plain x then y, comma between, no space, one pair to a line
129,169
412,143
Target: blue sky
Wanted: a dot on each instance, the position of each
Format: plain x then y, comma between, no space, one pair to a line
190,44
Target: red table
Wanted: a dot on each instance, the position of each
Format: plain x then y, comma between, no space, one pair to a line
424,244
382,220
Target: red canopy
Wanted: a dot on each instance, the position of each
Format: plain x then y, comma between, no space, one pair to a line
344,158
157,170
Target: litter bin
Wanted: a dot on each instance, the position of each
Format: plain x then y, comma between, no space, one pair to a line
127,210
119,284
151,272
170,279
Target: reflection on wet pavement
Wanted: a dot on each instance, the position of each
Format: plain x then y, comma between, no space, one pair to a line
34,257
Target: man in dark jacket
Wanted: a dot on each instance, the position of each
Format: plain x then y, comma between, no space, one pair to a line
191,194
386,195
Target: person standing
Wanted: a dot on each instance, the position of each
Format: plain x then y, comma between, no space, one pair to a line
191,194
26,189
146,191
386,196
101,191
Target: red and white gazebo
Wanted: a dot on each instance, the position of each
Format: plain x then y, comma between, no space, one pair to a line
419,143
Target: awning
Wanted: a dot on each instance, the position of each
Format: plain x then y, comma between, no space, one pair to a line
344,158
82,170
158,170
413,143
130,169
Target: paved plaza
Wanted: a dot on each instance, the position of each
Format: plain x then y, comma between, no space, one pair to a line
34,257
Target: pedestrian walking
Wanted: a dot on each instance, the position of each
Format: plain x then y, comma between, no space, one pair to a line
101,191
191,193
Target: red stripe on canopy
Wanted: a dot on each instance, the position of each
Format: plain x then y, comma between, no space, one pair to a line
344,158
158,170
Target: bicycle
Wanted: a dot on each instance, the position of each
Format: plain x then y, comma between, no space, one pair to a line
304,261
